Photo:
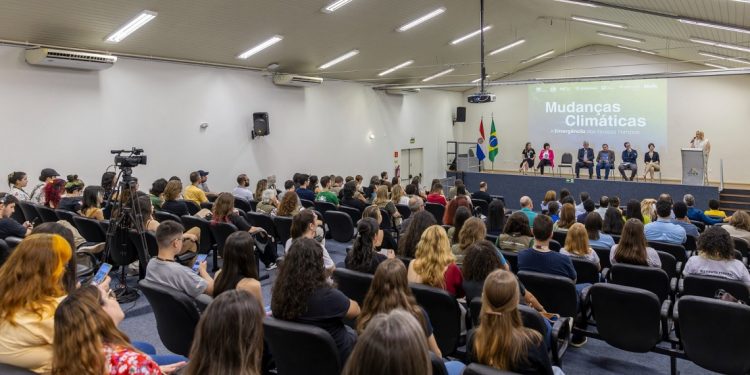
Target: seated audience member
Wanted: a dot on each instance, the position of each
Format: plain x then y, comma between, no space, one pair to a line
527,207
224,212
459,218
47,176
540,258
53,192
108,184
387,241
70,279
482,193
9,227
480,260
597,238
549,196
289,205
348,194
239,269
434,265
564,193
588,206
364,257
436,195
288,186
679,209
242,190
229,336
516,235
171,203
739,225
384,203
156,193
633,248
577,244
370,191
713,210
304,225
419,222
472,232
567,218
338,184
696,214
302,294
633,211
453,205
93,197
31,287
605,159
453,191
583,196
325,194
398,196
313,184
501,341
302,191
268,202
716,257
87,340
416,204
163,269
495,217
663,230
585,160
193,192
615,202
17,181
648,210
613,221
203,185
553,211
259,187
603,205
390,291
629,162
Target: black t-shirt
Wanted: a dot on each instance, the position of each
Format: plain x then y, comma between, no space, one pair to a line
10,227
70,204
536,361
239,222
175,207
483,195
326,308
375,261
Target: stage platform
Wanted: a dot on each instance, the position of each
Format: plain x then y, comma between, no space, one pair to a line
512,187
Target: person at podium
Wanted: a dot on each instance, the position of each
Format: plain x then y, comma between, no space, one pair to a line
651,158
700,142
605,159
585,160
629,161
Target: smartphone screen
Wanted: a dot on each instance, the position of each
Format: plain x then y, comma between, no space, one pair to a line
101,273
198,260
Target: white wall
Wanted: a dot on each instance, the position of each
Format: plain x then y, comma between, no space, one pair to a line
69,120
717,105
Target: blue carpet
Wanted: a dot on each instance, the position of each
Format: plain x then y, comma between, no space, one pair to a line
596,357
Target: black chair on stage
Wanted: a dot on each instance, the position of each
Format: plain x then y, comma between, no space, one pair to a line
352,283
161,216
301,348
176,315
340,224
437,210
444,313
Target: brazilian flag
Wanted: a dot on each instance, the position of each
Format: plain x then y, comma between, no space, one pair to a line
493,150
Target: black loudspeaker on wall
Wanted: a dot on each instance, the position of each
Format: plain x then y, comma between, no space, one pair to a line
260,125
460,114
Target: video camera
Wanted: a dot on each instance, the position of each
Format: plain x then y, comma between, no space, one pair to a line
132,159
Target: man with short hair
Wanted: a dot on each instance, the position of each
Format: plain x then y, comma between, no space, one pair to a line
436,195
338,184
302,191
629,162
482,193
588,207
242,190
663,230
527,207
694,213
415,205
584,196
9,227
585,160
164,270
603,205
605,159
680,218
325,194
193,192
203,185
288,186
383,177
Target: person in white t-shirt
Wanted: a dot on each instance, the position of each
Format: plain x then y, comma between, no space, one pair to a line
716,257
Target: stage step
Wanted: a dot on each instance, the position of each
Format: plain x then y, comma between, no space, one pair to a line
731,200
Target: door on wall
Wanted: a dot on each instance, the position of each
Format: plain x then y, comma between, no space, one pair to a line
411,163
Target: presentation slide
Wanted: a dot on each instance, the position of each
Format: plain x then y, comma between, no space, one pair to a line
611,112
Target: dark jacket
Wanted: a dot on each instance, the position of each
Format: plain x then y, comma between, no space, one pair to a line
588,152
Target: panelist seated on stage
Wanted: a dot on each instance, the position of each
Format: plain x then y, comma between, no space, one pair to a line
546,158
629,162
605,159
585,160
652,162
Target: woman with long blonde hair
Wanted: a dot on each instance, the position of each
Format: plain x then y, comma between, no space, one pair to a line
385,203
567,218
648,210
577,245
501,341
31,287
434,264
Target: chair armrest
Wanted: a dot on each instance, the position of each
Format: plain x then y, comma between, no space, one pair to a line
665,307
560,339
673,283
678,267
681,285
606,274
13,241
675,311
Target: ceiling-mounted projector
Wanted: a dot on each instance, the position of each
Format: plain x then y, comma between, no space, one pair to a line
481,97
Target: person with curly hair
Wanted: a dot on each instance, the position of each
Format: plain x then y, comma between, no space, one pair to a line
289,205
53,192
418,223
716,257
302,294
434,264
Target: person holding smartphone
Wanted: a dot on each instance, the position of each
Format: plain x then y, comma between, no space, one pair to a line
9,226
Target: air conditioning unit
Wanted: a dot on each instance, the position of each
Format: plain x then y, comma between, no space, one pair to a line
295,80
69,59
401,92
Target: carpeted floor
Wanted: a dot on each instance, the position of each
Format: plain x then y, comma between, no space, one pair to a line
596,357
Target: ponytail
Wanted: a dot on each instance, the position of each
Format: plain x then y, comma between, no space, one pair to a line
14,177
360,256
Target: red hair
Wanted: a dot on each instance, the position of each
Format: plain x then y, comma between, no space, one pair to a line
450,210
53,191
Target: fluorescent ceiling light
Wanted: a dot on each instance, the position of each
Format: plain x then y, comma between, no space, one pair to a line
444,72
722,57
507,47
469,35
636,49
629,39
271,41
395,68
136,23
715,66
578,3
422,19
743,1
479,79
332,7
714,26
719,44
599,22
537,57
339,59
